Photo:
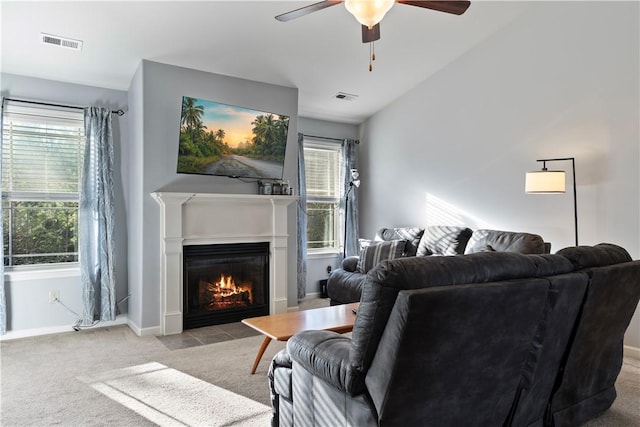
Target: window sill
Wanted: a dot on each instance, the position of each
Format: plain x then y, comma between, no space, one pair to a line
16,275
323,253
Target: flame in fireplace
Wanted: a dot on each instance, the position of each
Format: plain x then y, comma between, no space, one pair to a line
227,286
225,293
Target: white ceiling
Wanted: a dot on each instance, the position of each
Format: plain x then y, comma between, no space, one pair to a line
320,54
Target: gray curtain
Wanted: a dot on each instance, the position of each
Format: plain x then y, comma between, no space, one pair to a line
95,221
302,222
352,231
3,301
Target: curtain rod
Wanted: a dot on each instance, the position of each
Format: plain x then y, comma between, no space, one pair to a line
325,137
119,112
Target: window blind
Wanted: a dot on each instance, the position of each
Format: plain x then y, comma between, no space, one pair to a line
322,172
41,152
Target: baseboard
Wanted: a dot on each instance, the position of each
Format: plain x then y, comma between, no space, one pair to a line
311,295
27,333
144,332
632,352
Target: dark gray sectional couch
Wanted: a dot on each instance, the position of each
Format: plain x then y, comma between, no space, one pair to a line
486,339
345,284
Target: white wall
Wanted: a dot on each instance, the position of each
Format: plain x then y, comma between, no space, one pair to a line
28,308
158,90
561,81
317,263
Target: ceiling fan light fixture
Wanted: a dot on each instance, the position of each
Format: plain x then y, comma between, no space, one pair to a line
368,12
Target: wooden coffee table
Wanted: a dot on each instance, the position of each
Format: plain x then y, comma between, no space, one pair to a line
281,327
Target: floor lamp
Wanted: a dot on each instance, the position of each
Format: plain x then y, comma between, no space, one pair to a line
553,182
355,182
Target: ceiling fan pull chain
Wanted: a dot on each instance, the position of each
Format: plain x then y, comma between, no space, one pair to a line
372,55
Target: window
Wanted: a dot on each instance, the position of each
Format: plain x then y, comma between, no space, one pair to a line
323,165
42,152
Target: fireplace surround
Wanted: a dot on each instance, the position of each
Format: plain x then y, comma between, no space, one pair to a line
188,219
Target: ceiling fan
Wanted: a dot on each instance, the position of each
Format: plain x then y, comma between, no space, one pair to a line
370,12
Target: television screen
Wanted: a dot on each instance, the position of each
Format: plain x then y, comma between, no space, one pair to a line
226,140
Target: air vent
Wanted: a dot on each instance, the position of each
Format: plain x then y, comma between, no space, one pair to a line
61,41
345,96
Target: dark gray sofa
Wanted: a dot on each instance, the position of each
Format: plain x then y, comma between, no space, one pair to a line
488,339
345,283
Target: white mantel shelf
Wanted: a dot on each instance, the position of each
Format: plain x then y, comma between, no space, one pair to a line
219,196
209,218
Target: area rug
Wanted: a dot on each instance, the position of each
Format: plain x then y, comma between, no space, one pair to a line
168,397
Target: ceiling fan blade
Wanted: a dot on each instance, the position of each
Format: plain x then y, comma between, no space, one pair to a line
455,7
370,34
297,13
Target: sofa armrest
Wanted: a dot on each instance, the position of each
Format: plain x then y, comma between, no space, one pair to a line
326,355
345,286
350,263
279,376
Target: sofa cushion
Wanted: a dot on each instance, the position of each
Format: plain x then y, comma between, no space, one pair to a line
379,251
505,241
363,243
443,240
411,234
600,255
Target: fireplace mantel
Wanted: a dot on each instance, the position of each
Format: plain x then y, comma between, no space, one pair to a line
207,218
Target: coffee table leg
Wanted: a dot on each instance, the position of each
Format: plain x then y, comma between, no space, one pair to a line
263,347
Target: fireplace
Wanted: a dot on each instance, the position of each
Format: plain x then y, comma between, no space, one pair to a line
185,220
225,283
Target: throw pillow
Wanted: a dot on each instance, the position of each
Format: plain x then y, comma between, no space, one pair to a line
444,240
363,243
411,234
377,252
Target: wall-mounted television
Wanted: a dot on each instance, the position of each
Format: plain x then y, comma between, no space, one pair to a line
227,140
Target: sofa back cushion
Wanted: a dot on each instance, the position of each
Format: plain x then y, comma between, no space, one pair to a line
586,387
505,241
411,234
447,345
600,255
443,240
383,283
378,251
550,346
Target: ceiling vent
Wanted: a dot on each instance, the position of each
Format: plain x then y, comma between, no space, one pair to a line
61,41
345,96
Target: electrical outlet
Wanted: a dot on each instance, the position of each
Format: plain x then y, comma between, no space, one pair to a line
54,296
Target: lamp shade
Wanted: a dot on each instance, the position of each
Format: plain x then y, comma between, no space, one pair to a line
545,182
368,12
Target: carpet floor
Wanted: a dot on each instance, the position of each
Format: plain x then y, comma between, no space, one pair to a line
84,379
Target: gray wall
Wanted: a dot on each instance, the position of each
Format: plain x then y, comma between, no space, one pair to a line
146,150
156,95
317,263
28,307
562,81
